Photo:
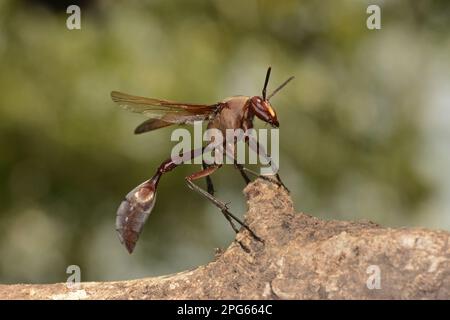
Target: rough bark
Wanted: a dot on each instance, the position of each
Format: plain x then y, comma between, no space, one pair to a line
302,258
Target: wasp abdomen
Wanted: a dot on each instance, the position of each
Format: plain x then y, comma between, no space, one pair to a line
133,212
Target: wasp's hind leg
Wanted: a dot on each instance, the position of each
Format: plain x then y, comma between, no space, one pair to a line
219,204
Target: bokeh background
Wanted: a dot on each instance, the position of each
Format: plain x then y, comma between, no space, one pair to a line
365,126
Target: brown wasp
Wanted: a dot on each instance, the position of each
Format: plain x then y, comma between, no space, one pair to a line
235,112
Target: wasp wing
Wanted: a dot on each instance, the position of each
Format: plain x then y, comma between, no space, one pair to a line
150,125
168,111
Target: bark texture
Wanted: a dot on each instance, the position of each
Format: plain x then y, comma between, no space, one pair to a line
302,258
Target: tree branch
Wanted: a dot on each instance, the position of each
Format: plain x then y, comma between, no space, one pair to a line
302,258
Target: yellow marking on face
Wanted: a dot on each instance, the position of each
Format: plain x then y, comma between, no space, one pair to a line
272,113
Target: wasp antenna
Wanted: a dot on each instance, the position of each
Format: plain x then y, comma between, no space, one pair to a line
279,88
266,82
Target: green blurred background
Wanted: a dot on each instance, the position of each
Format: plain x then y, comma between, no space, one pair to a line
364,127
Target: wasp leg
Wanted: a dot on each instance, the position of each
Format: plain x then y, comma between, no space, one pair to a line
209,183
243,170
262,152
276,180
219,204
240,167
